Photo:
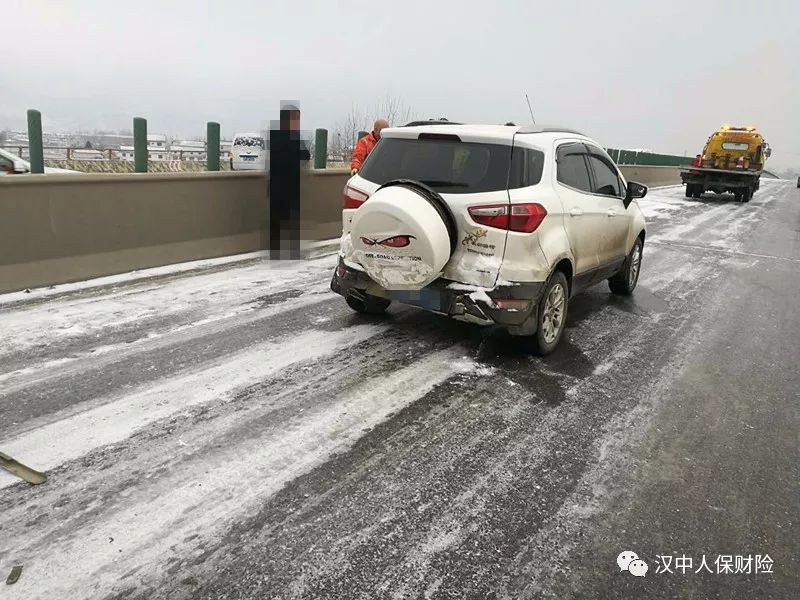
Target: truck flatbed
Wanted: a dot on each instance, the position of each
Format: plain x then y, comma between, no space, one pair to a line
712,171
742,183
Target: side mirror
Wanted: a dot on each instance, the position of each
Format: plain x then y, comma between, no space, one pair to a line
768,152
20,167
634,190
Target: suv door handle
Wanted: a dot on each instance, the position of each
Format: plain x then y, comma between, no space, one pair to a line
611,212
575,212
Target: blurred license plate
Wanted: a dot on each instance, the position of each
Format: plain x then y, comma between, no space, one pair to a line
428,299
249,157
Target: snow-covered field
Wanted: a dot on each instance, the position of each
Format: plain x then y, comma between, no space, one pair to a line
171,407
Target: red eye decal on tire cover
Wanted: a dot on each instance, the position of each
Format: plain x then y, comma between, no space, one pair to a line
398,241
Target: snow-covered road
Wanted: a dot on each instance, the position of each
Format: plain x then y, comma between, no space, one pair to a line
236,431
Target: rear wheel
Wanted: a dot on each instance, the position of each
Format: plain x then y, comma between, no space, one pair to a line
552,315
689,190
624,282
370,305
747,193
698,191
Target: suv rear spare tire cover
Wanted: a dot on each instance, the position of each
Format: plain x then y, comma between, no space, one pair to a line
401,238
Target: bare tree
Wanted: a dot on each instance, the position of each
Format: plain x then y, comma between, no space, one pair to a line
393,110
344,134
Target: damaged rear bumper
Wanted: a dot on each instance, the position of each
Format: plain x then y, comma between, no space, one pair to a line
507,305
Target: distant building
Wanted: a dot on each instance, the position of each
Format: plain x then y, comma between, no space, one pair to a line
157,148
190,150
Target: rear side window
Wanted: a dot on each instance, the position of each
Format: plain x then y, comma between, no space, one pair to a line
252,142
571,167
526,167
606,181
447,165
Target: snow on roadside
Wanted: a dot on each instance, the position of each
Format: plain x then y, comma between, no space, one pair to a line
174,269
192,298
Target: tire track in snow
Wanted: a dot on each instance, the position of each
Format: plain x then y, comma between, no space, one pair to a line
73,326
68,438
29,395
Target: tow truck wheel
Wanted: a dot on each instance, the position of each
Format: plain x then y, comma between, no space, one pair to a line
689,190
747,193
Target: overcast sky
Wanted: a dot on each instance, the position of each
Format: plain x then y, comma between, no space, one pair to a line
637,74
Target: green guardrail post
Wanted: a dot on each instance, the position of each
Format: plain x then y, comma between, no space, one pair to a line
139,145
212,146
362,134
35,148
321,149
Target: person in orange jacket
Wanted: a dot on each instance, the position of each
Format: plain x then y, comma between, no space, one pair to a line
365,145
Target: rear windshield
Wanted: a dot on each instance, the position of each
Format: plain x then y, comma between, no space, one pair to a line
255,142
448,166
735,145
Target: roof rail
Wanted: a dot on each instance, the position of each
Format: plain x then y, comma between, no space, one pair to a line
441,121
547,129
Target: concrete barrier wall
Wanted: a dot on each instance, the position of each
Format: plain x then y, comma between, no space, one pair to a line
62,228
321,203
652,176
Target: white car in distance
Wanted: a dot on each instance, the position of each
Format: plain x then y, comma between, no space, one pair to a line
11,164
248,152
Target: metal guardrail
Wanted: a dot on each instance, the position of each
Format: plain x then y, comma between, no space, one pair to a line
74,153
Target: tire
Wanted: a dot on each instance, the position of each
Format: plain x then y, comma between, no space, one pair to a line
698,191
370,305
737,195
550,319
747,193
689,190
624,282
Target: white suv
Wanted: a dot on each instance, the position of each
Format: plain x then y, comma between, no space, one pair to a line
488,224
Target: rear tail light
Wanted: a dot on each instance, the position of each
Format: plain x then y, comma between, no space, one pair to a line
353,198
524,218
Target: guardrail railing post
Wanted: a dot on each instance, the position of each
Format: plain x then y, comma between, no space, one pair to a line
139,145
212,146
321,149
35,148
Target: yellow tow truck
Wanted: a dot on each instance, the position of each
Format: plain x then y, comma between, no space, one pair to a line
732,161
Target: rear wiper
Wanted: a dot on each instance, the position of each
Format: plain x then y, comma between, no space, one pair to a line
438,183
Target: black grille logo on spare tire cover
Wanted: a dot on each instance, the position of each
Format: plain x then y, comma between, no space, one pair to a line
396,241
